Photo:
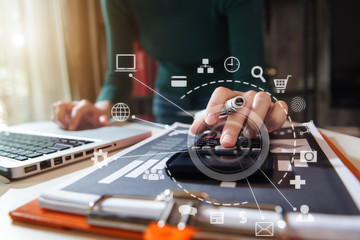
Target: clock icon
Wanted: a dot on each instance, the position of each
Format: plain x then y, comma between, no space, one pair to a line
232,64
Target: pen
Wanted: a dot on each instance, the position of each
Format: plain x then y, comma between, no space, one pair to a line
232,105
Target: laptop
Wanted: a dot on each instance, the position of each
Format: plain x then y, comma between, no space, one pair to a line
33,148
125,63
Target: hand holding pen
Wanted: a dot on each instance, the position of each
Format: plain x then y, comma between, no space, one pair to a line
255,107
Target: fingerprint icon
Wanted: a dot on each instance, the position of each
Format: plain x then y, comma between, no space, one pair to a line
298,104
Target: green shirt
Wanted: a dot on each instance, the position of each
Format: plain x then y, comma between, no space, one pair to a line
179,34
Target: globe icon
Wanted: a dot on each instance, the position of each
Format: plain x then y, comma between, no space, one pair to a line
120,112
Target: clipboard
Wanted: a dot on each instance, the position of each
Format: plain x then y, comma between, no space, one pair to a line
342,157
173,223
32,213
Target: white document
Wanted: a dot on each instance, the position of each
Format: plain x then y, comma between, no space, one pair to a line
73,202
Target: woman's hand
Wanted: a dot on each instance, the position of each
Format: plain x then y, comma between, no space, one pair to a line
258,109
81,114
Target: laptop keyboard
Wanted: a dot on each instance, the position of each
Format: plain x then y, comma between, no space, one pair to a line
21,147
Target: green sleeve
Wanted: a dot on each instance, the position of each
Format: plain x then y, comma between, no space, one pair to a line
120,34
245,23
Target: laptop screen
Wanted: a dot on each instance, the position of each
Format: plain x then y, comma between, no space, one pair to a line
125,61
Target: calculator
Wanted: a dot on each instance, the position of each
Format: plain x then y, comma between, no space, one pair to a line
208,159
209,143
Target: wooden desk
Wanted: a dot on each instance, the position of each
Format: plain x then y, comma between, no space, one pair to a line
18,193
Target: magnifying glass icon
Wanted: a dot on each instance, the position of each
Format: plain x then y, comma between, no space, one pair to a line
259,75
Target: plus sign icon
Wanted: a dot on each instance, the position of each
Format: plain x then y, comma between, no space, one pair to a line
297,182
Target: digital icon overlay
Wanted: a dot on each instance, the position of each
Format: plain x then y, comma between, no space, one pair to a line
178,81
120,112
153,175
297,182
308,156
166,196
125,63
217,218
281,83
298,104
307,128
264,229
97,156
243,219
305,216
231,64
259,74
204,68
205,65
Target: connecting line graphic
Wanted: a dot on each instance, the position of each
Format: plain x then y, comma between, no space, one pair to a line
294,208
166,126
131,75
262,216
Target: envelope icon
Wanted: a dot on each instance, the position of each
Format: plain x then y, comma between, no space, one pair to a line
264,229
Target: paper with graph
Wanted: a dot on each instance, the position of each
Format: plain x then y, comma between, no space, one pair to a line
139,170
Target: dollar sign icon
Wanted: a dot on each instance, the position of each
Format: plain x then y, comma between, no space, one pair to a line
243,219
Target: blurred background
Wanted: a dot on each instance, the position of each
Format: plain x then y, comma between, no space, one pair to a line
54,50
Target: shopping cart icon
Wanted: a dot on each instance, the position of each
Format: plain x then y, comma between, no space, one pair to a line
280,84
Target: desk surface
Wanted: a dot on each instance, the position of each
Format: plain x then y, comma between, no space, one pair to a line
19,192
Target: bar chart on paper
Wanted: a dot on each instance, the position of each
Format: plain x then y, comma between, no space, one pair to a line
141,171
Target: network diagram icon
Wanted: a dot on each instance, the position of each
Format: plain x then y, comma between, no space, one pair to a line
120,112
97,156
205,65
153,175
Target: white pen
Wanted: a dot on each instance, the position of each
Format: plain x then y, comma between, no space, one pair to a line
230,106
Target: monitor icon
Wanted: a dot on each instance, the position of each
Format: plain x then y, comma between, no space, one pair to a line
125,63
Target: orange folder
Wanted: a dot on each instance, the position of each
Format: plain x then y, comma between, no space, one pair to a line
342,157
32,213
